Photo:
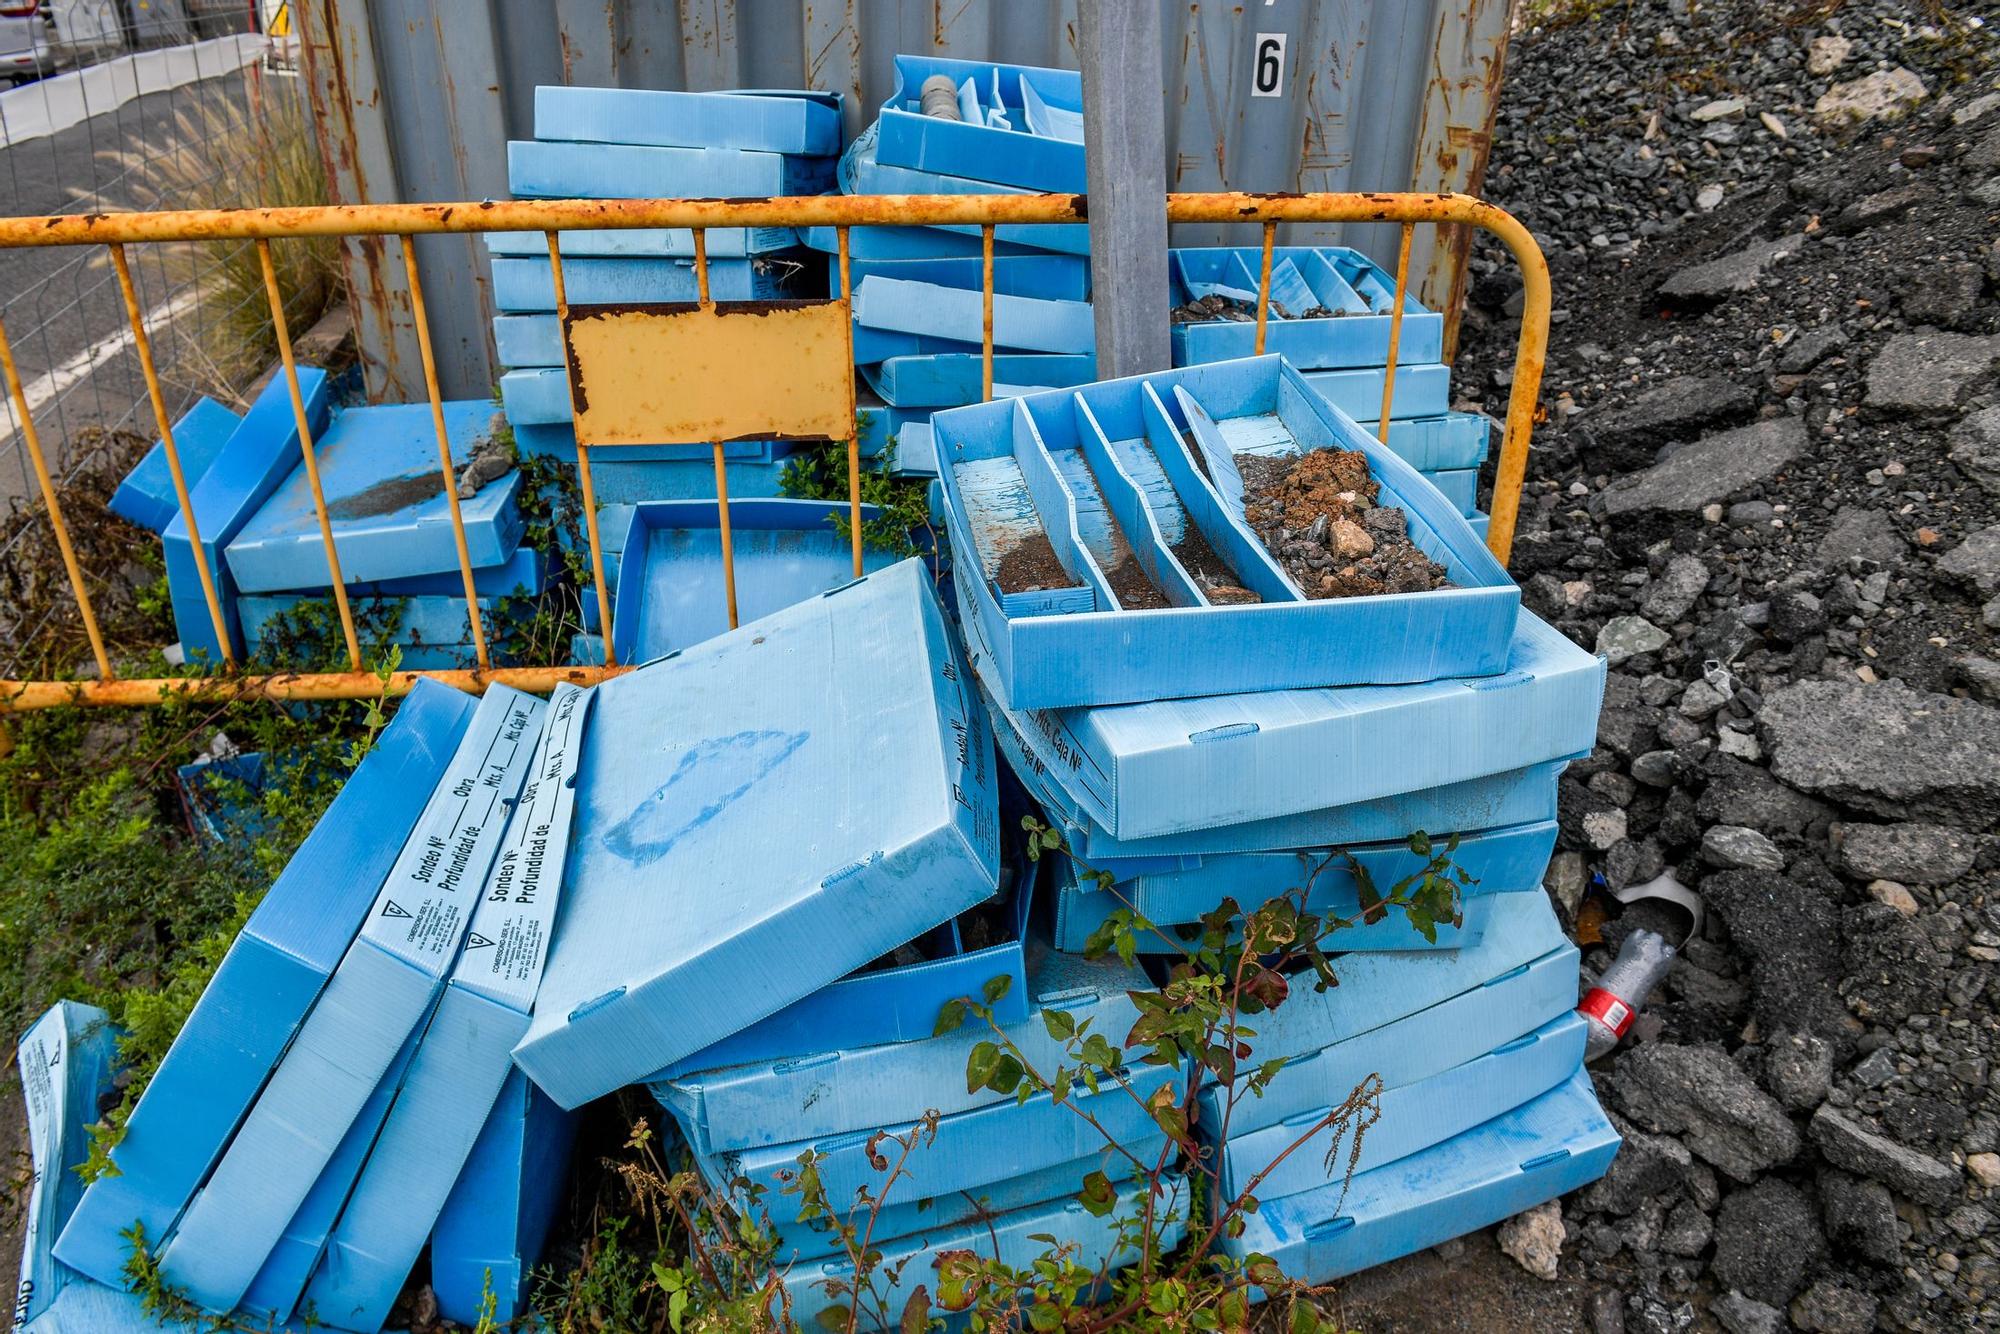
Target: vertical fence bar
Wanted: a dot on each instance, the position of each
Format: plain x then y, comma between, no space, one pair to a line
583,460
1264,285
144,347
1395,332
986,312
285,356
853,426
31,438
721,466
444,451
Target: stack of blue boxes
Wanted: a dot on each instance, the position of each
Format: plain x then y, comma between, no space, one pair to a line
261,537
1197,729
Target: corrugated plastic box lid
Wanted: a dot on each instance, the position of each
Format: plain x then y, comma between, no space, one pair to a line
146,495
378,469
269,979
66,1061
1013,157
759,816
775,121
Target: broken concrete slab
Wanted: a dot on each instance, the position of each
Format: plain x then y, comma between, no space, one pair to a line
1883,95
1847,1143
1721,278
1928,372
1886,749
1975,561
1710,469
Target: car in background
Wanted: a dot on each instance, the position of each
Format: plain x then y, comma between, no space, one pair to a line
28,48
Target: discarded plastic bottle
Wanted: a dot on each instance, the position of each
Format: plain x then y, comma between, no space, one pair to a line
1612,1005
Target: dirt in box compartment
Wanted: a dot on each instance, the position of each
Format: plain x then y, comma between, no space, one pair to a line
1317,514
1135,591
1209,571
1032,565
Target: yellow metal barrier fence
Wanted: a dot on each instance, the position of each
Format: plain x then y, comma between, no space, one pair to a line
117,230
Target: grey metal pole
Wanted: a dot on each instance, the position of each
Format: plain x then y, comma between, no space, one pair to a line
1125,136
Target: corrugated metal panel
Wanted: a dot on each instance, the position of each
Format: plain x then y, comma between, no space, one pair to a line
1364,81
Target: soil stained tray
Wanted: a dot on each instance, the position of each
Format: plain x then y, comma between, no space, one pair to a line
1135,477
1317,514
1331,309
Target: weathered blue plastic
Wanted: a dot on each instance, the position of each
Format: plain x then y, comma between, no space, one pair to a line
1043,276
1413,1116
1302,278
209,792
970,1149
878,426
66,1060
671,590
916,456
621,483
1011,156
1017,1239
774,121
527,285
1105,473
723,780
898,1004
521,574
146,495
1533,1153
491,1231
953,379
911,242
1430,444
1517,997
462,1062
835,1091
646,242
862,174
1479,523
386,503
432,633
1174,766
383,989
268,980
260,454
937,311
557,440
873,345
1421,390
1080,911
1499,861
1460,486
537,169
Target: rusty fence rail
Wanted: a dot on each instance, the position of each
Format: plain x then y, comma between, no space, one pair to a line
116,231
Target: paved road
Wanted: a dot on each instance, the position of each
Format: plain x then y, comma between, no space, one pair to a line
62,308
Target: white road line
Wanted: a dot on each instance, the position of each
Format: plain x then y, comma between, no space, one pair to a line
58,380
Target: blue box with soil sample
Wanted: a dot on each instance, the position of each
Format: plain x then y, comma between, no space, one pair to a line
1331,308
1019,126
773,120
1103,547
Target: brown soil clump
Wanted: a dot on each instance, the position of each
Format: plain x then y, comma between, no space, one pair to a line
1209,571
1317,513
1032,565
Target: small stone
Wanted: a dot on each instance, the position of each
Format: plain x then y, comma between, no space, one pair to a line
1895,895
1875,1069
1746,1315
1712,513
1351,540
1774,125
1798,1069
1701,1095
1827,54
1847,1143
1918,158
1860,1217
1535,1239
1709,198
1883,95
1828,1307
1734,847
1975,448
1673,594
1766,1242
1985,1169
1741,745
1726,108
1796,614
1701,700
1604,830
1626,637
1567,878
1929,373
1975,561
1809,350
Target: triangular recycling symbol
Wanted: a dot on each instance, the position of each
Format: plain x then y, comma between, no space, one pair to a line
475,941
393,909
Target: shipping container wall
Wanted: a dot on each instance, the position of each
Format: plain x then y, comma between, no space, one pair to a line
417,98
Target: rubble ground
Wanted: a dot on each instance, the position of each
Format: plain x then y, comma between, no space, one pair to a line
1769,493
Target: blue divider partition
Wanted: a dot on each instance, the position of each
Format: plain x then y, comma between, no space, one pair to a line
266,984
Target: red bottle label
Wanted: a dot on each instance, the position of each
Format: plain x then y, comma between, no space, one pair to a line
1606,1009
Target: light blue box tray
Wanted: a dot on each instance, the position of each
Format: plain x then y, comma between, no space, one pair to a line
491,1231
1174,766
1432,444
878,425
1111,478
898,1004
66,1060
1537,1151
526,285
954,379
557,440
266,983
1017,1239
383,989
671,591
970,1150
937,311
725,780
462,1062
1414,1117
1010,155
521,575
618,482
861,173
846,1089
432,633
873,242
1460,486
146,495
260,455
1515,998
1421,391
539,169
1042,276
774,121
644,243
1302,278
385,501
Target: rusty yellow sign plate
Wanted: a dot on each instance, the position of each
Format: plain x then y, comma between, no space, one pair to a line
732,370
